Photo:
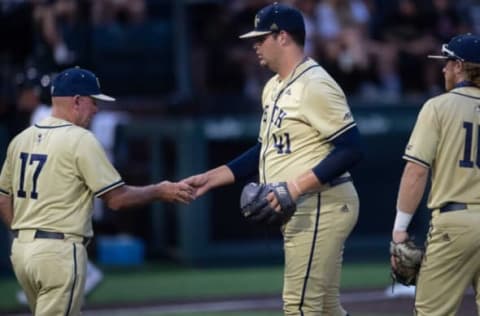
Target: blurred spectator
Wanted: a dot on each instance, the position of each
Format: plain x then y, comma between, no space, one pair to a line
408,30
62,33
16,30
342,46
32,95
308,8
118,11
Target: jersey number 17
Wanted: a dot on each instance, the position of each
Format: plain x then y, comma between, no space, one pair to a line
41,159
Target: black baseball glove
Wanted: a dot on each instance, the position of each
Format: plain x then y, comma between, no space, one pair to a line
256,208
408,258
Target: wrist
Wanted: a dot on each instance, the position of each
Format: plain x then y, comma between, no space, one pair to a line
296,187
402,220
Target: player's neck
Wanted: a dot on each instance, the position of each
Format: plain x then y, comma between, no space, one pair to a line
62,112
291,61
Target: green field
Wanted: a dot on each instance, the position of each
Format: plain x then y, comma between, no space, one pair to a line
166,283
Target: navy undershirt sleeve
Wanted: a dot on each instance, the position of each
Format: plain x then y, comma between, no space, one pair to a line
346,154
245,166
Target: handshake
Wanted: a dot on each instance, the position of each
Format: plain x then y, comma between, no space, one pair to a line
270,203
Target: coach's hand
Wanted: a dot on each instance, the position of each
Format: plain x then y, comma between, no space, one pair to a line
176,192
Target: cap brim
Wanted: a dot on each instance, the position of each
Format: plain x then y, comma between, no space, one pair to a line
437,57
254,34
103,97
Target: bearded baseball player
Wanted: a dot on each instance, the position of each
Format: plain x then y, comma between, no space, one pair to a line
445,141
52,171
307,143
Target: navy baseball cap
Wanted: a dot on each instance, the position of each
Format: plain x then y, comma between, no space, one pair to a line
275,18
78,81
465,48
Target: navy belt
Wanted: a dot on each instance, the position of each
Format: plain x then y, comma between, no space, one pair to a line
453,206
338,181
42,234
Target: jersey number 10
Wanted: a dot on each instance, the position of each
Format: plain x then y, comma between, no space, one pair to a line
467,162
41,159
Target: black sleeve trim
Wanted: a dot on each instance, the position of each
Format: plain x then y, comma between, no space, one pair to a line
340,131
108,188
419,161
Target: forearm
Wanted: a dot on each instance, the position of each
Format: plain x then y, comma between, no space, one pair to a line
127,196
412,187
220,176
347,153
245,165
307,182
6,210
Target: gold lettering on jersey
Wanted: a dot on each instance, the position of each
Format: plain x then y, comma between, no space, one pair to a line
277,116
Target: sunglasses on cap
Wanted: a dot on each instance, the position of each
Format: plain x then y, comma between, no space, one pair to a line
450,54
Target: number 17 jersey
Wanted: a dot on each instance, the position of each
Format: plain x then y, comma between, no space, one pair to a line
446,139
52,171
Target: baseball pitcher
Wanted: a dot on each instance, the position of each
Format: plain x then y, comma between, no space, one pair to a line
308,141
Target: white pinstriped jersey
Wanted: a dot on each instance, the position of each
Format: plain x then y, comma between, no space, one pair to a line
446,139
301,116
53,170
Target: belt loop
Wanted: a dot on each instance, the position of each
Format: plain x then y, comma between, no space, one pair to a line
26,235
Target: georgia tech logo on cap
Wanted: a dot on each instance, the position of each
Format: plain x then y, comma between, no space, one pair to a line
257,20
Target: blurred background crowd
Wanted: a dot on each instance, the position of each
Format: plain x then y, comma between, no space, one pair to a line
185,56
174,59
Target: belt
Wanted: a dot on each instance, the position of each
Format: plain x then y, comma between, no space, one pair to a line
338,181
42,234
453,206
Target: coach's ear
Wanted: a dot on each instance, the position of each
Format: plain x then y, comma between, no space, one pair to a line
76,102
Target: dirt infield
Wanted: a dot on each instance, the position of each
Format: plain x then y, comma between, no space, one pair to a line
399,306
367,302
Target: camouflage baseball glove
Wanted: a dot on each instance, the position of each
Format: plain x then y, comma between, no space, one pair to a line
255,207
408,258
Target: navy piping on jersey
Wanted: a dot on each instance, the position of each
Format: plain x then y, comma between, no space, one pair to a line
310,257
103,190
340,131
4,192
417,160
465,95
48,127
465,83
67,312
271,119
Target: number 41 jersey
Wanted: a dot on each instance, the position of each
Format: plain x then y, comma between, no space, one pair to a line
52,171
446,139
301,116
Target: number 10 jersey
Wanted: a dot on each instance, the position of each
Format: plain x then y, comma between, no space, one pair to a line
446,139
